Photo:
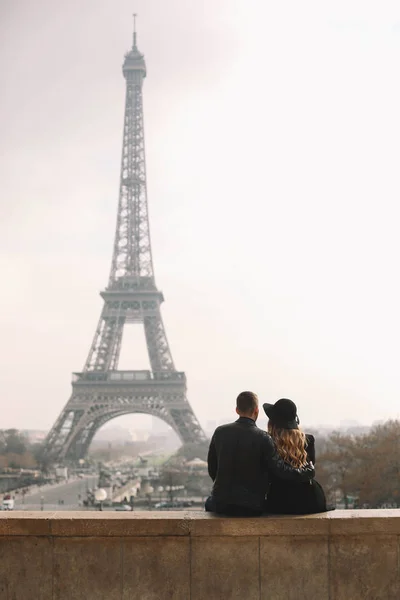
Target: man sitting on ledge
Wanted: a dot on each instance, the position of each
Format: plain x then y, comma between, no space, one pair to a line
240,458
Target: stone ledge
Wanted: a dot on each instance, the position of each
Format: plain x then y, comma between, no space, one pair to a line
341,555
189,523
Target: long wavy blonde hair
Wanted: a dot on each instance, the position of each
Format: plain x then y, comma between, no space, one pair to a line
291,444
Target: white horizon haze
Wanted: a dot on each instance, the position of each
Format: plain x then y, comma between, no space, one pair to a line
272,146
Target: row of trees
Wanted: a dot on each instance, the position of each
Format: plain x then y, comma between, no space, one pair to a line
363,467
15,450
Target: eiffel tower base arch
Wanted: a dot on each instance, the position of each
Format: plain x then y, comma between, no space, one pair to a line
94,403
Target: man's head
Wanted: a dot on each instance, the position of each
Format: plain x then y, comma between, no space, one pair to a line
247,405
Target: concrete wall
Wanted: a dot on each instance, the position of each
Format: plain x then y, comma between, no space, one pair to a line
344,555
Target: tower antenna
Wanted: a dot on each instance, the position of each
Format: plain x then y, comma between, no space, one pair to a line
134,29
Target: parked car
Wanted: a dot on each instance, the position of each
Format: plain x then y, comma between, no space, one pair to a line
173,504
8,503
122,507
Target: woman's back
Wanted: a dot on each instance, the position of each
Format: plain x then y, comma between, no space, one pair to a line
290,498
297,449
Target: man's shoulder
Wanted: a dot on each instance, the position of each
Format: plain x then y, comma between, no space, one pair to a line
225,427
237,426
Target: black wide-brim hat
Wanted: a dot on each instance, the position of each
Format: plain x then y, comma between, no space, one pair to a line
282,414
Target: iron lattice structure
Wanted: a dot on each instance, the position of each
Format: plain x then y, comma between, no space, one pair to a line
101,392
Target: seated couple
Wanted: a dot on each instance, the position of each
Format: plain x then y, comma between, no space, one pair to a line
256,472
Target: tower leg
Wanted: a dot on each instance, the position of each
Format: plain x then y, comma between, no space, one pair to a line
106,346
157,344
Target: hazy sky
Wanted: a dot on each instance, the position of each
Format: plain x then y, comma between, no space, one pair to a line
272,139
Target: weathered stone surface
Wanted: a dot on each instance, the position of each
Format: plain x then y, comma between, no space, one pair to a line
294,567
86,569
225,567
364,567
115,524
25,523
26,568
356,522
262,526
155,568
65,524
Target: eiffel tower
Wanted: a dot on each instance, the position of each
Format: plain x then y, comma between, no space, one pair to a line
102,392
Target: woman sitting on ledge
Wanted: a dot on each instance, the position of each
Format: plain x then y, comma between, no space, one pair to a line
296,449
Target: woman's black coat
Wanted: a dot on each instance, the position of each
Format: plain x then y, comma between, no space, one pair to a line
285,497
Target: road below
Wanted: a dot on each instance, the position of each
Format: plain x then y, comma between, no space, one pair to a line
71,494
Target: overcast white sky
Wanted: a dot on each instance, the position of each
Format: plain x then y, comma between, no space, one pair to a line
272,136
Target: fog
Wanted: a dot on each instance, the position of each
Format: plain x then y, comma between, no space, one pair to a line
272,142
